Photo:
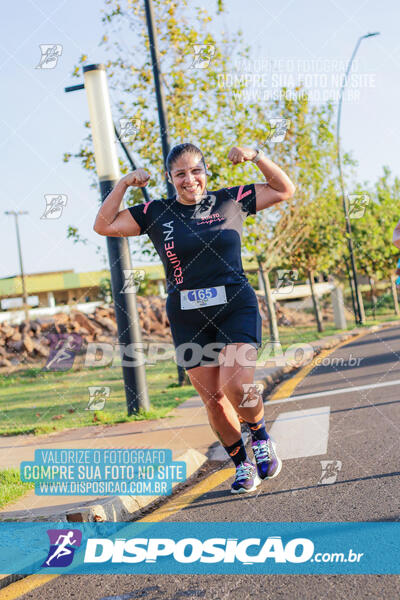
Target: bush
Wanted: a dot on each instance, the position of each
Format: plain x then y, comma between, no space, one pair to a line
384,304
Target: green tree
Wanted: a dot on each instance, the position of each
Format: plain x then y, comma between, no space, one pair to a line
303,233
323,242
373,230
105,291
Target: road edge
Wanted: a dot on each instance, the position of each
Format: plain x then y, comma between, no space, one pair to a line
279,374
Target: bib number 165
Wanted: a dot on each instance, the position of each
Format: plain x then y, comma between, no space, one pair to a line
202,295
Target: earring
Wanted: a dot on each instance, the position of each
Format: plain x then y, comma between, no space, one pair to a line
208,173
169,179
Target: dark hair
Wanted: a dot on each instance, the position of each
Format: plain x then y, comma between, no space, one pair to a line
180,149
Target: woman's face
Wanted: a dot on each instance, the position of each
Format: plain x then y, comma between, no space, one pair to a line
189,177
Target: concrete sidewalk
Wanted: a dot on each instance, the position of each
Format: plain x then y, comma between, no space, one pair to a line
186,432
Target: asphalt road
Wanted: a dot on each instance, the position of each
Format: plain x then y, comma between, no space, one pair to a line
357,430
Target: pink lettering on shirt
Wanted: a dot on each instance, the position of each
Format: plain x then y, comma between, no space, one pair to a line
146,206
240,195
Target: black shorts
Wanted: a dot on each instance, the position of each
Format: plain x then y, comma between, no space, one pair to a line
199,334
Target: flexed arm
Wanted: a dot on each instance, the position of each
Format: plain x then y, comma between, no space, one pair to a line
110,221
278,186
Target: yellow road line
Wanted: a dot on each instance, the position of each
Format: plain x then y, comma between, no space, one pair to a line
171,508
17,589
23,586
287,388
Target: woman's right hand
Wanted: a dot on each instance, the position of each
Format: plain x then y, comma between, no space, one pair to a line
138,178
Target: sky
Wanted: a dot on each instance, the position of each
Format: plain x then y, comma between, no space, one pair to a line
39,122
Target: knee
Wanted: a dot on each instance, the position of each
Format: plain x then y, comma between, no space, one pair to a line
214,401
233,390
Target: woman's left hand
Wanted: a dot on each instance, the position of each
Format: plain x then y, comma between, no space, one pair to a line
238,155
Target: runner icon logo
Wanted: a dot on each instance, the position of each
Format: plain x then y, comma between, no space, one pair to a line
50,55
203,54
128,129
63,348
55,204
357,204
252,394
205,207
278,130
97,397
133,279
286,279
63,543
330,470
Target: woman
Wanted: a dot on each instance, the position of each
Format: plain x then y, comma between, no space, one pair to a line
212,309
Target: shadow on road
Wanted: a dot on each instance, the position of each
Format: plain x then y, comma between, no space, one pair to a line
225,494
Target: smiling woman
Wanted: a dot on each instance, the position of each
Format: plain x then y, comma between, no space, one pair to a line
212,309
186,164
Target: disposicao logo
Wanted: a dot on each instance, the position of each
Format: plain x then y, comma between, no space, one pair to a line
63,543
190,550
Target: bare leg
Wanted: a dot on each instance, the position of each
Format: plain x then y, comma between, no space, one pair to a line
237,373
221,414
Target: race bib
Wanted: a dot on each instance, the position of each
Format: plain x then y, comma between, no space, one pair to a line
203,297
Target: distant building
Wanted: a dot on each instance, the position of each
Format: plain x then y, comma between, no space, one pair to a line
63,287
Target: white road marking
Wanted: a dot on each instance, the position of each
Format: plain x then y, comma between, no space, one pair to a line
301,433
355,388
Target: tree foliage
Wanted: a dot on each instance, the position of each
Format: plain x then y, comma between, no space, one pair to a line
308,232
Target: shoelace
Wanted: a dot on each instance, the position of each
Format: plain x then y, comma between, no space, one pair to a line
261,451
243,471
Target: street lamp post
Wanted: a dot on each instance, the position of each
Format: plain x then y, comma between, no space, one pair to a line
16,214
162,116
107,167
354,292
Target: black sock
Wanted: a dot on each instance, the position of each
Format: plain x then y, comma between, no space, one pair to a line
258,431
237,452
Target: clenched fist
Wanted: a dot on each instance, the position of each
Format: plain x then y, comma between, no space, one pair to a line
138,178
238,155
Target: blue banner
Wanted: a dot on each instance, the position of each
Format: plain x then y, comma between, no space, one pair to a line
200,548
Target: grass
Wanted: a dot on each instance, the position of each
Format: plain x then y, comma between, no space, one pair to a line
11,486
37,402
292,335
34,401
304,335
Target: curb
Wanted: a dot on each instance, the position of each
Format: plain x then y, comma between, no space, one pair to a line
6,580
277,374
124,508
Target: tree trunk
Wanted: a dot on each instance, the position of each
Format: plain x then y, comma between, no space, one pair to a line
315,299
273,323
361,303
394,294
351,284
373,297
